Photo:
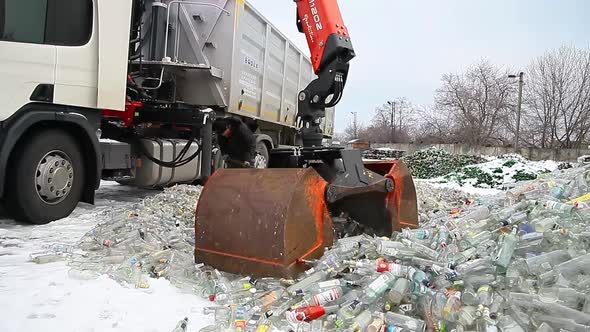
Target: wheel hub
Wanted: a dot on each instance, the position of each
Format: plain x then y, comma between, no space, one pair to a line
54,177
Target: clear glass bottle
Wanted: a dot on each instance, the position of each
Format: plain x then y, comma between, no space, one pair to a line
412,324
399,290
378,286
181,326
506,250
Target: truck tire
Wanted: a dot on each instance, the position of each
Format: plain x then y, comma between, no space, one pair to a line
261,159
46,177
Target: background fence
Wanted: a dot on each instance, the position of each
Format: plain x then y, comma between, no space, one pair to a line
465,149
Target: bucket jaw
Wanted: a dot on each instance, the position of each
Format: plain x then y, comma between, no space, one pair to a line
262,222
380,195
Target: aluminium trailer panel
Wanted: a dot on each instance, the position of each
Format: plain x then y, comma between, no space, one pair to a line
233,57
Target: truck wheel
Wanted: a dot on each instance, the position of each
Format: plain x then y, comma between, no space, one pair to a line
46,177
261,159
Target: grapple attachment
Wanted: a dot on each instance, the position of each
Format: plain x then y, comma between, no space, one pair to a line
262,222
265,222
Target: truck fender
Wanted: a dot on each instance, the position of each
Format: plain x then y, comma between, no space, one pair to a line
29,116
266,139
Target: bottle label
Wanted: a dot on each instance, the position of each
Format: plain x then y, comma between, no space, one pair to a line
484,288
379,283
406,307
327,296
394,268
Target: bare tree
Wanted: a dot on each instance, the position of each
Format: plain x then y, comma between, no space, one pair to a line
354,130
434,127
479,102
557,98
392,122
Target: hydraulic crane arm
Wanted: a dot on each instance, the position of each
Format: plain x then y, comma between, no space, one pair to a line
331,50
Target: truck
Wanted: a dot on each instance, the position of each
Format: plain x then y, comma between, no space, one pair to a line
127,91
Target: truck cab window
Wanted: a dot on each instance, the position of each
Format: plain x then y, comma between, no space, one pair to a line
53,22
69,22
23,20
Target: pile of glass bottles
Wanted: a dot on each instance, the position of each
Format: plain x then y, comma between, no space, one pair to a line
512,262
517,261
154,238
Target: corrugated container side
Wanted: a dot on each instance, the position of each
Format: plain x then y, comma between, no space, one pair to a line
259,71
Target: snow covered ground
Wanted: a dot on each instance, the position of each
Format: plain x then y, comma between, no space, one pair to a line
500,171
43,297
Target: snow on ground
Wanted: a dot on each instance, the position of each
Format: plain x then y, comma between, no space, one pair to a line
501,171
43,297
467,188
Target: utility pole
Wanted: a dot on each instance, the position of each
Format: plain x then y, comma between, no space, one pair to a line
401,108
392,104
355,125
519,109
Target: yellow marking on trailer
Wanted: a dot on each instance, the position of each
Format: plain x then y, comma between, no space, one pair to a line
249,108
270,114
239,3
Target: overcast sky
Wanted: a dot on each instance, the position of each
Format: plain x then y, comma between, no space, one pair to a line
404,47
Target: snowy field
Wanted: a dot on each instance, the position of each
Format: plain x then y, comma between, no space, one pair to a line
43,297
